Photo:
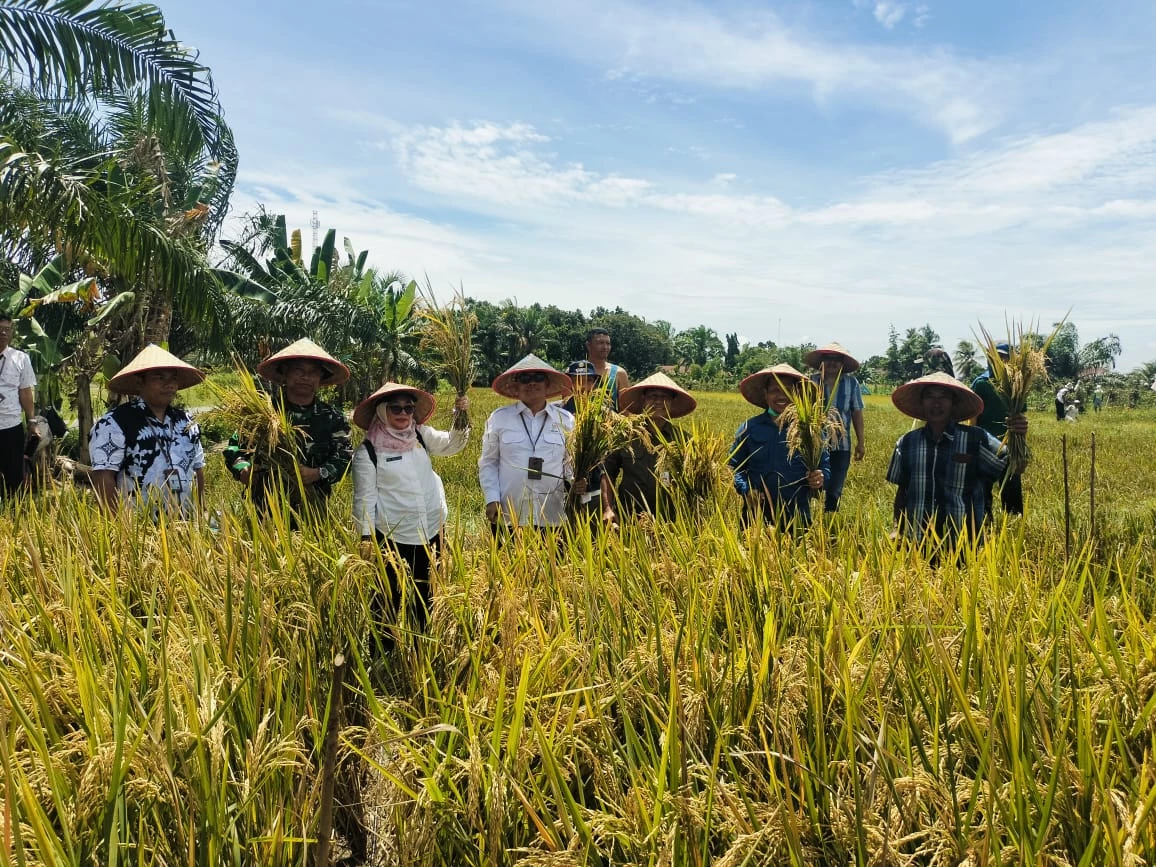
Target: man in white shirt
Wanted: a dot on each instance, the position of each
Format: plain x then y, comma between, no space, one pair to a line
17,399
524,465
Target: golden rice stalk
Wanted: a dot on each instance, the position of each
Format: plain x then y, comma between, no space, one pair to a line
264,426
1014,378
812,422
448,335
692,463
596,433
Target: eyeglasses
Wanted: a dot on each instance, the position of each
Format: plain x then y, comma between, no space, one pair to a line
401,408
526,378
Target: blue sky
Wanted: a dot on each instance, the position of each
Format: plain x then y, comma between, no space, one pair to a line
786,170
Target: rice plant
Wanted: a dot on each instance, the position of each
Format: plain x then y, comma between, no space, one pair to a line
812,421
448,336
596,433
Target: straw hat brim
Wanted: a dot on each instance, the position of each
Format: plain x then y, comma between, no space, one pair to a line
681,403
557,384
365,412
152,357
908,398
754,387
815,357
333,371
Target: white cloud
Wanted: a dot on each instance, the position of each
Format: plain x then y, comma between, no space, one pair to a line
889,13
695,44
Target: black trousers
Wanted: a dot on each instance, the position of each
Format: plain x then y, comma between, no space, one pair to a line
415,560
11,461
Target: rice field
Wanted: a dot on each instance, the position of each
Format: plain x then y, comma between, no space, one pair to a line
678,693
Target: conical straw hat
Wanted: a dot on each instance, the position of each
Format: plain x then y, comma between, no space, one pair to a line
815,357
909,397
333,371
680,404
367,409
754,387
152,357
557,384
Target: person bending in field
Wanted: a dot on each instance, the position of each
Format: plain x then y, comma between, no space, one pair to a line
323,449
633,471
836,374
775,486
941,468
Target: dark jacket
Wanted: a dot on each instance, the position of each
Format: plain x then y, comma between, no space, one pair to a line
760,460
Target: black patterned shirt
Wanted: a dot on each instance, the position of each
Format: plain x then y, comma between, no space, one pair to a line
153,459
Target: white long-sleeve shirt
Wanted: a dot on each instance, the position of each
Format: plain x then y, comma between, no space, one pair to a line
513,435
402,496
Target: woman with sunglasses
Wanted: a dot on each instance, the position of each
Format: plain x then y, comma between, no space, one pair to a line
524,466
398,499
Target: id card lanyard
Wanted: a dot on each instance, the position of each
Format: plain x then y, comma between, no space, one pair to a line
534,440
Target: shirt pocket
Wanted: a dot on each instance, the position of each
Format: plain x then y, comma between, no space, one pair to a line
554,438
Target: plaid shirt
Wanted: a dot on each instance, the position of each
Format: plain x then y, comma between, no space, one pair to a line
938,479
848,399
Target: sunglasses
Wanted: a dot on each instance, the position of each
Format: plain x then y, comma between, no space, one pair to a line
401,408
527,378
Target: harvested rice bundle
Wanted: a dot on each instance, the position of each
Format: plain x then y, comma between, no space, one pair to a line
692,466
264,426
596,433
448,334
812,422
1014,377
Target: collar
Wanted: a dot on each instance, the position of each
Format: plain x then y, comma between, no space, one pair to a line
948,432
138,403
525,410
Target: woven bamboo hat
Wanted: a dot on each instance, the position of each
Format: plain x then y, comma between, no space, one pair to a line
557,383
908,398
367,409
681,403
832,350
754,387
152,357
333,372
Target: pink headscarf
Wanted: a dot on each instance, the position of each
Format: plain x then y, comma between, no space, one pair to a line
389,439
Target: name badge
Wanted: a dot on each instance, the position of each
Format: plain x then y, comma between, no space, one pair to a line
394,458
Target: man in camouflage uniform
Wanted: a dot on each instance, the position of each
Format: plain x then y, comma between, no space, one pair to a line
323,448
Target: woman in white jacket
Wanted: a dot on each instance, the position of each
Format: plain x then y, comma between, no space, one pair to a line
398,499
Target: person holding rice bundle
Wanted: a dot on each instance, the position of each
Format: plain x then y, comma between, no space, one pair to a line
524,466
323,449
398,500
993,418
633,471
594,498
146,450
774,484
939,469
836,374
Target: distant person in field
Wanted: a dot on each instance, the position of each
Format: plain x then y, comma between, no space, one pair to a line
1098,398
633,472
323,449
524,466
598,352
993,418
17,399
1061,401
836,374
399,502
775,486
940,469
146,451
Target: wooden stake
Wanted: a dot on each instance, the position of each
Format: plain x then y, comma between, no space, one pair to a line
1067,502
329,764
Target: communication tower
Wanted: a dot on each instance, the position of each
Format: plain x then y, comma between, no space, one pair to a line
315,224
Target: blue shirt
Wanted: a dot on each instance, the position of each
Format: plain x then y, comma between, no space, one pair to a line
761,463
939,479
848,399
